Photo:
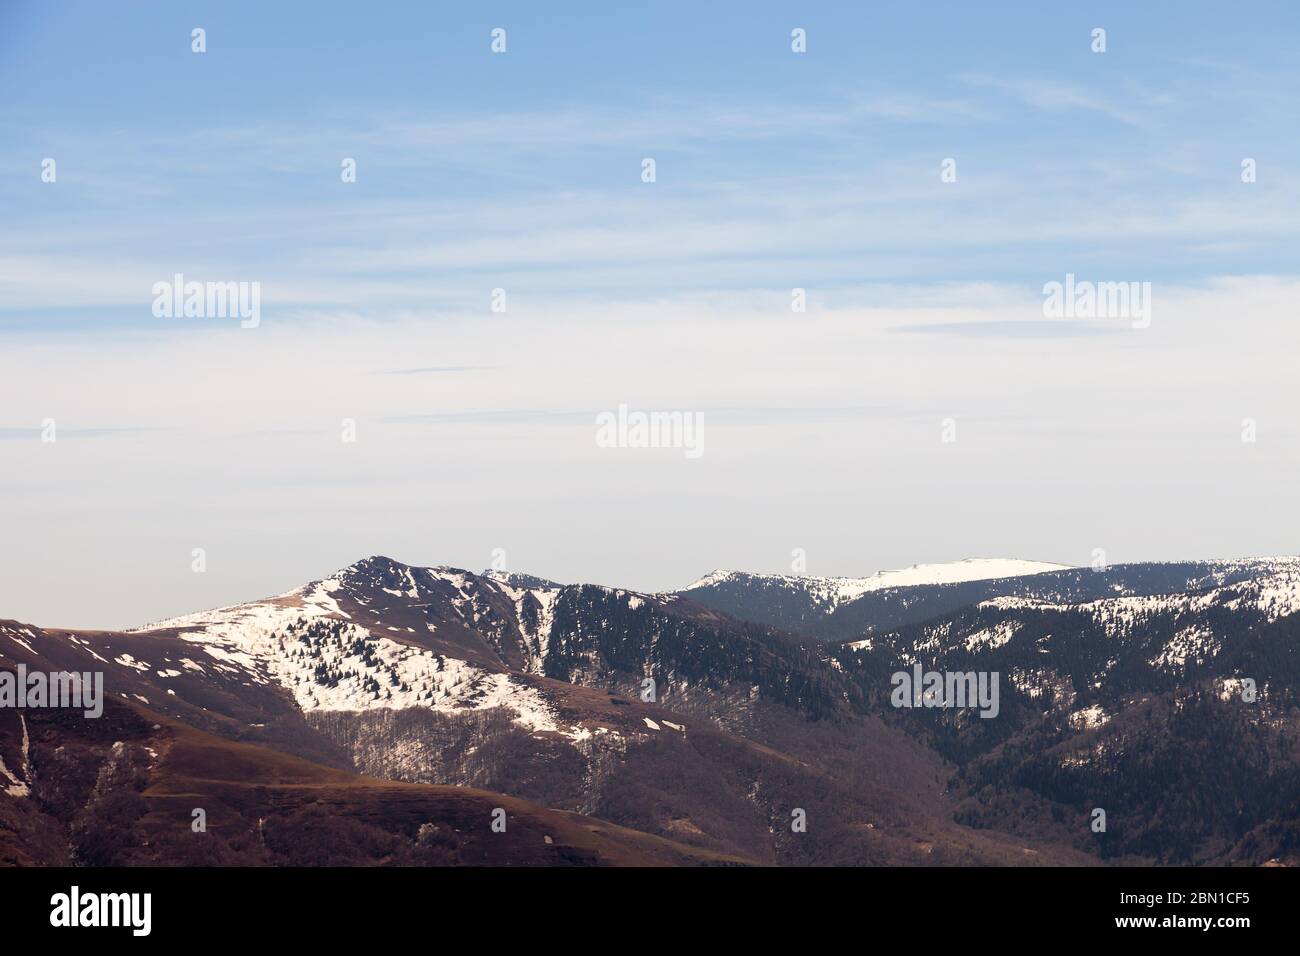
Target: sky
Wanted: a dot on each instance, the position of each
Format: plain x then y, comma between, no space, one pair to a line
921,172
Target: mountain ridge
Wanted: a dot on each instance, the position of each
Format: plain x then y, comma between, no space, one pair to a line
589,699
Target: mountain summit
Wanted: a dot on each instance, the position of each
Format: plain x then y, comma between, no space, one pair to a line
702,717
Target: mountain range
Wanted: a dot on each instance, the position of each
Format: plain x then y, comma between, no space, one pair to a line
393,714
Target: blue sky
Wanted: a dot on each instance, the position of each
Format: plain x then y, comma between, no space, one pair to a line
1127,158
522,171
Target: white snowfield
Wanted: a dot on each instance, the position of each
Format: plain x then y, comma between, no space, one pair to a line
287,640
830,593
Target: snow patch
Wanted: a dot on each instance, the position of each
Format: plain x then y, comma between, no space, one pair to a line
830,593
1088,717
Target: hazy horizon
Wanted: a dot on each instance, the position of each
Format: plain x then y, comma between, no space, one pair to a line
484,568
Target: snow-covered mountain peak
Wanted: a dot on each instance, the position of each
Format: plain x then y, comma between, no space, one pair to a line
958,572
831,592
514,579
722,576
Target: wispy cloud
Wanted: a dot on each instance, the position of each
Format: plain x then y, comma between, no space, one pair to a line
1052,95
